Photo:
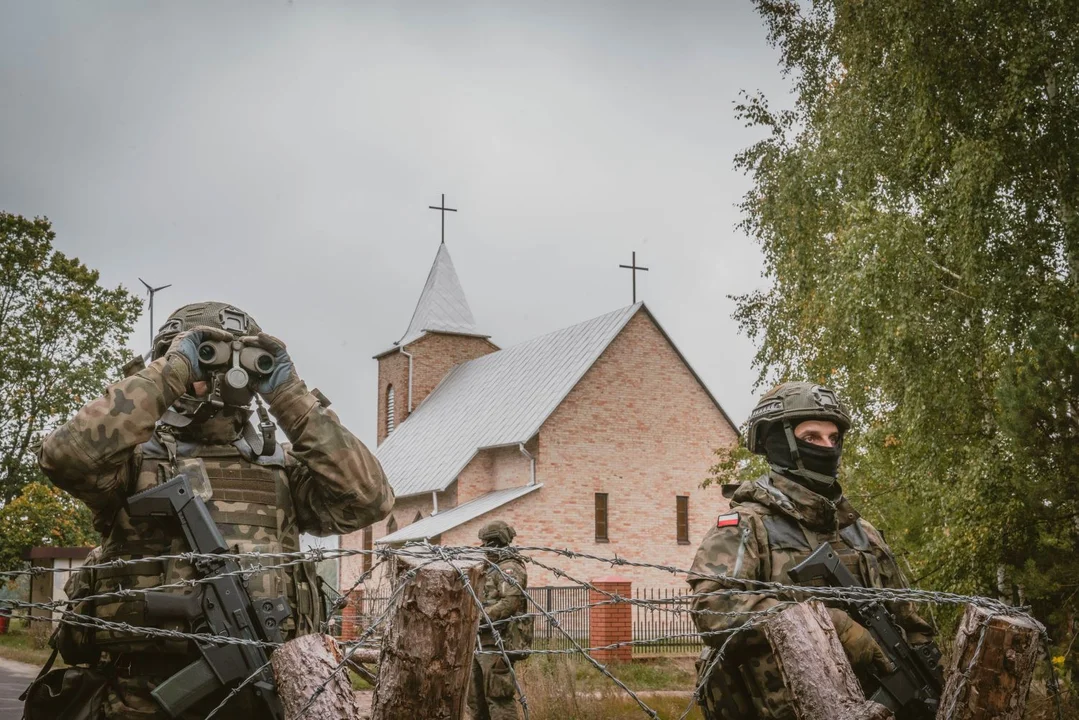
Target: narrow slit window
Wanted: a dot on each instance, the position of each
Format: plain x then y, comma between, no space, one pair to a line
601,517
368,545
391,410
682,519
391,525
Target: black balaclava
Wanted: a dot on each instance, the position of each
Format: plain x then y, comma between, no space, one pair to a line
822,462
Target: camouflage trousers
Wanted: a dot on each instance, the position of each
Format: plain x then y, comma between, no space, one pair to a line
491,689
749,689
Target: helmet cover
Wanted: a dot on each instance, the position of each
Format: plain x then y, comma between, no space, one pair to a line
794,402
497,531
209,314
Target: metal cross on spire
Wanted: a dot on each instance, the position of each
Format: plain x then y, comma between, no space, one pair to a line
443,209
634,267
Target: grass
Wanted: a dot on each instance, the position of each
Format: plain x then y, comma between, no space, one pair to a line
651,674
560,687
27,645
359,683
563,688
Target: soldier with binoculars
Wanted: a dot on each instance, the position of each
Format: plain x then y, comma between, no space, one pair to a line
188,414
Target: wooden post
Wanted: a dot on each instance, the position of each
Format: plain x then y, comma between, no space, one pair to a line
820,680
992,665
300,667
427,647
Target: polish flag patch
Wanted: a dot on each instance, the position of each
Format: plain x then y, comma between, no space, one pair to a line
729,520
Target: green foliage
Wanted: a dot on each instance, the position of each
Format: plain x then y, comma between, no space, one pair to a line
917,214
43,515
735,464
61,338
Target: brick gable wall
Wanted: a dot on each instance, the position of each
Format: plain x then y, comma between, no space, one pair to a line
433,355
641,428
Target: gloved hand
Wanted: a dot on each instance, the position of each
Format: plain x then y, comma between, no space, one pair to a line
284,371
861,649
187,344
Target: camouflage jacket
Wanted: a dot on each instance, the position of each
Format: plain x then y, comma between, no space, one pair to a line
503,599
326,482
774,524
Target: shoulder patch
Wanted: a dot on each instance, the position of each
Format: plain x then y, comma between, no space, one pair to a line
728,520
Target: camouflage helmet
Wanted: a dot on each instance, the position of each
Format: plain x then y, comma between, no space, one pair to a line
499,531
212,314
794,402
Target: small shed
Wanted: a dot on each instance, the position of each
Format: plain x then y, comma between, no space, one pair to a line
47,587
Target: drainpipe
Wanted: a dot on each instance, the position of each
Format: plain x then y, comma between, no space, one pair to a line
434,501
409,356
532,458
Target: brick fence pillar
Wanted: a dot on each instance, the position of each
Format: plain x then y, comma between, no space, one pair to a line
350,615
611,622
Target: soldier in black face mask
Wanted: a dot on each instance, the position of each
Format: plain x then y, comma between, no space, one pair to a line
773,524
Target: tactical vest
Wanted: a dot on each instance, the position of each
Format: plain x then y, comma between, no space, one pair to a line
749,689
789,543
251,503
516,634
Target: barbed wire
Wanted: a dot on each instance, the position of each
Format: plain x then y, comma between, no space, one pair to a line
692,604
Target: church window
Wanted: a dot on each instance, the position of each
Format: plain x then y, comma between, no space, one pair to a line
601,517
391,410
368,545
682,519
419,516
391,525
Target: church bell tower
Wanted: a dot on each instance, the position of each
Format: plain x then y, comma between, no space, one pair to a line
441,335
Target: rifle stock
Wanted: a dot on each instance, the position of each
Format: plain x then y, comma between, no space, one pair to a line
912,691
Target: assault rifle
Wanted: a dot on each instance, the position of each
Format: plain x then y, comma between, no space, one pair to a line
221,606
912,690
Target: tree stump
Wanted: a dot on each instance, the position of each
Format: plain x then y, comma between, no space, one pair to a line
300,667
814,667
427,649
990,681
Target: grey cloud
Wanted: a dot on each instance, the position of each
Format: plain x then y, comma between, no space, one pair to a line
282,158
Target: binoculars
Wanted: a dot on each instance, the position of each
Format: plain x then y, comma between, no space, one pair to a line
218,353
239,362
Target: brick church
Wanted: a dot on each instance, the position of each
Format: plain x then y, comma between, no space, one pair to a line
593,438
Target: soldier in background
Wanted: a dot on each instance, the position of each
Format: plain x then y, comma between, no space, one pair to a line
774,523
491,688
191,407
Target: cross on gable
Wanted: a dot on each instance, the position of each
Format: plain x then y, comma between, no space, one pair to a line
634,268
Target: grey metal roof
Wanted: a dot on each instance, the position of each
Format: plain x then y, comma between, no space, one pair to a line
442,306
499,399
435,525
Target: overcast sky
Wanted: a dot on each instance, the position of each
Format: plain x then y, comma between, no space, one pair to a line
281,157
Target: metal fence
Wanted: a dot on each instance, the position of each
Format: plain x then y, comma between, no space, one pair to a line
664,624
657,626
571,602
569,606
362,613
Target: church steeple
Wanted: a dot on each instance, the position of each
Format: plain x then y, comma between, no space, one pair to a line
441,335
442,306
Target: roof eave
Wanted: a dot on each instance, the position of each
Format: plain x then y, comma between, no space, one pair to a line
397,347
529,489
445,486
